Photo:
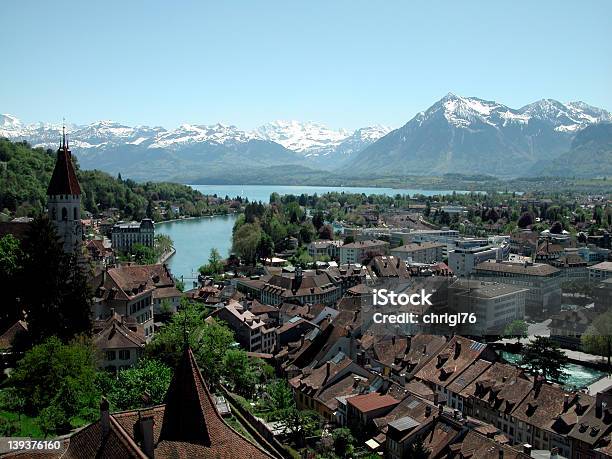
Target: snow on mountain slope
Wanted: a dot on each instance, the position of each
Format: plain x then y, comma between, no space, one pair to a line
304,138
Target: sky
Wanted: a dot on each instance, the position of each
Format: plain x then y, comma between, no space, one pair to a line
343,63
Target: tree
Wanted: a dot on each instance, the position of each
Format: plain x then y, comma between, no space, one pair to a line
168,343
56,381
556,228
214,266
144,255
10,276
299,424
543,357
239,372
318,220
349,239
60,304
598,337
281,397
525,220
326,232
343,442
516,329
152,376
209,342
245,242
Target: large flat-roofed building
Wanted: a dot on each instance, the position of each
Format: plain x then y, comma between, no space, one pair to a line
356,252
542,280
462,260
420,252
125,235
600,271
495,304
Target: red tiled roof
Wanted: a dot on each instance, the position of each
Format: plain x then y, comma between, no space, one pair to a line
373,401
64,179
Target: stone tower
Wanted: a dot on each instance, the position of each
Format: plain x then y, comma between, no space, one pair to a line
64,199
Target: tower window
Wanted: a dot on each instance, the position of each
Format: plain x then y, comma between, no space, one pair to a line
64,213
75,214
54,214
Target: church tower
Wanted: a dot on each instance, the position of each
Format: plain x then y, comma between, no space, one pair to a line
64,199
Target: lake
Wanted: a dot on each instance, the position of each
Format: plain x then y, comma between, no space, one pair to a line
263,192
193,238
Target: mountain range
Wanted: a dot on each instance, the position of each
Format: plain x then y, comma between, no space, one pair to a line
465,135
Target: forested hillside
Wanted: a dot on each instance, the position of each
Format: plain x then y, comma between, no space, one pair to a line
25,173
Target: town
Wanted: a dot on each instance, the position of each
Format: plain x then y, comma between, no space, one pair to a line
275,352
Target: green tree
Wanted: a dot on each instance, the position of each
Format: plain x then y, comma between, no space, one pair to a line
516,329
245,242
343,442
60,304
239,372
56,381
144,255
214,266
598,337
280,396
543,356
152,376
10,276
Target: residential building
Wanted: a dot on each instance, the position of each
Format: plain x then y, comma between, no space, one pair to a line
303,287
130,290
449,363
420,252
363,409
542,280
324,248
567,327
125,235
120,342
357,252
250,331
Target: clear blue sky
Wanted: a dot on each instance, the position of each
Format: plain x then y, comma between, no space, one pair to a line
344,63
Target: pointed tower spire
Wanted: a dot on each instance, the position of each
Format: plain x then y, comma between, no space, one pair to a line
64,146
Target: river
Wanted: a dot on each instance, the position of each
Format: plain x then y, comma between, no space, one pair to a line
193,238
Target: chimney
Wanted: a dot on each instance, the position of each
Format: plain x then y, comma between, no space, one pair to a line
327,370
104,417
146,431
457,349
436,398
301,340
427,411
424,349
440,409
527,449
500,454
565,402
402,379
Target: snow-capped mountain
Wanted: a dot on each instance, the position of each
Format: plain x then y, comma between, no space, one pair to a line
456,134
321,145
471,135
307,138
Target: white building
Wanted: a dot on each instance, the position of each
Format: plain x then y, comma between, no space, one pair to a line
356,252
